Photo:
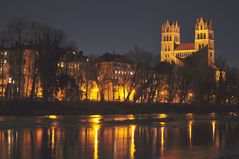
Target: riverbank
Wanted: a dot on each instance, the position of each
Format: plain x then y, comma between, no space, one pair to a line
25,107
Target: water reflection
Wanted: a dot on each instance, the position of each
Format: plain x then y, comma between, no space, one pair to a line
190,123
66,139
132,144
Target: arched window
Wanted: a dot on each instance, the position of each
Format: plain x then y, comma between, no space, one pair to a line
170,38
198,36
199,46
204,35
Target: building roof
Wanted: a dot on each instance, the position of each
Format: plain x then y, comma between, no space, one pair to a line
108,57
186,46
74,56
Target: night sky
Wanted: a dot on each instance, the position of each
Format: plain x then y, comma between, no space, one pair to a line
98,26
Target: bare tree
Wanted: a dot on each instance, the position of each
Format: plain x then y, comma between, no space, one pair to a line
17,35
142,61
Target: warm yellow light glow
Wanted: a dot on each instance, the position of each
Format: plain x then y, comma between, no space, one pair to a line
60,95
39,91
132,144
93,91
52,116
162,139
95,119
122,118
213,129
96,128
39,134
10,141
162,116
53,136
190,123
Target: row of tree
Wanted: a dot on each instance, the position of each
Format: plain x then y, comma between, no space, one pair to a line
165,82
217,85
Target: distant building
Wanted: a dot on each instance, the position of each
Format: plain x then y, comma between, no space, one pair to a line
18,66
73,65
114,75
4,72
172,50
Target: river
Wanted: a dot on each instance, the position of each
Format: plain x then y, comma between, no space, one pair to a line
166,136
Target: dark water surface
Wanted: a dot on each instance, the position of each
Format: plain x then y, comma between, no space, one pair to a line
171,136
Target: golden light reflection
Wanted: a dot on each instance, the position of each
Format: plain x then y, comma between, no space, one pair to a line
95,123
213,130
39,134
52,117
96,142
162,131
190,123
122,118
162,116
132,144
10,141
162,123
51,137
95,119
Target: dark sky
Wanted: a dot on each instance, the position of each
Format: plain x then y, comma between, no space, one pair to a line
98,26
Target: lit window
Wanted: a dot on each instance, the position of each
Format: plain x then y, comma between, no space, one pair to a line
62,64
10,80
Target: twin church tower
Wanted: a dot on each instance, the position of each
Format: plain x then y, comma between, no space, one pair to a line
173,51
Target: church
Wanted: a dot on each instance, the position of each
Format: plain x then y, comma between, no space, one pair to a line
173,51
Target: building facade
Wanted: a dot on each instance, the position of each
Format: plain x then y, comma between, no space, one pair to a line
71,72
17,71
114,76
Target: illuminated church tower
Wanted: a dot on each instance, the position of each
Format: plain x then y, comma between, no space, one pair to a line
173,51
204,38
170,38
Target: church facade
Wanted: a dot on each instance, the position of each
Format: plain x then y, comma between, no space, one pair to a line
173,51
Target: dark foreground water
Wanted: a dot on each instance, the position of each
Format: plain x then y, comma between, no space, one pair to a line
185,136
